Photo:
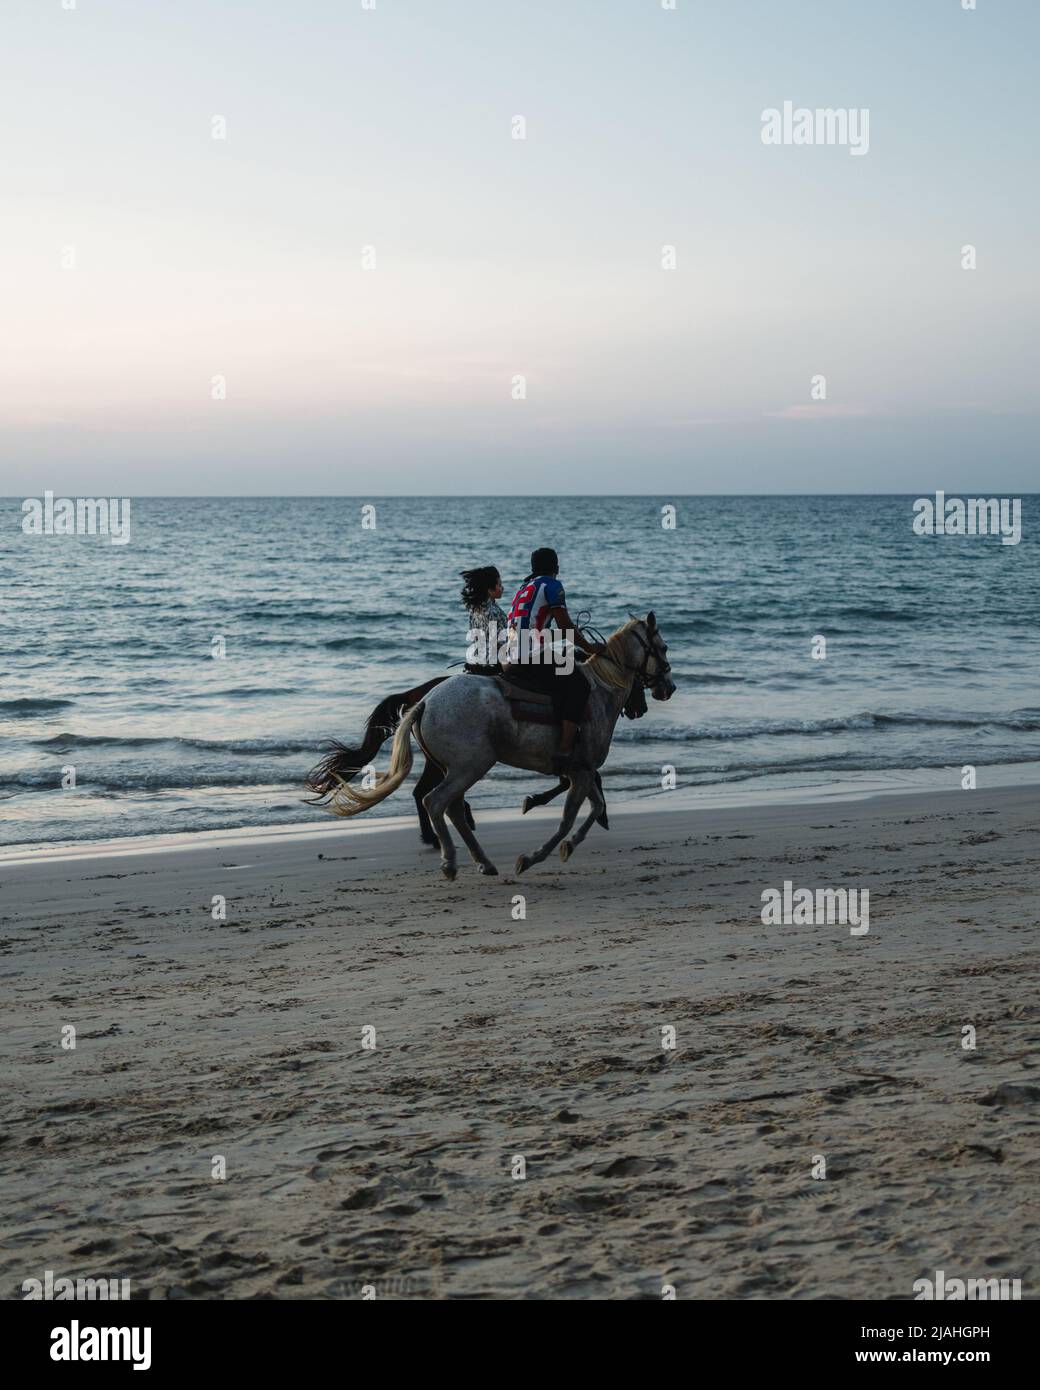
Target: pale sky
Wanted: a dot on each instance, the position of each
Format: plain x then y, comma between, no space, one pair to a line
140,258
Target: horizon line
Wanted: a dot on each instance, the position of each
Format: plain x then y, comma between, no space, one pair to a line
498,496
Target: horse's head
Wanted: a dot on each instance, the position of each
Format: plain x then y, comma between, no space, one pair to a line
655,669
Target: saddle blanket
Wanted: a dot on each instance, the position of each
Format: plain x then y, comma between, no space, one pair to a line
530,706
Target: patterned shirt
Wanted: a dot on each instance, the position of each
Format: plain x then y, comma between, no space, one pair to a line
487,626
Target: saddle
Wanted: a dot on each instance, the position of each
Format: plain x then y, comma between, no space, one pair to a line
530,706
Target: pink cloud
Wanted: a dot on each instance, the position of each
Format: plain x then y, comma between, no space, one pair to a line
820,410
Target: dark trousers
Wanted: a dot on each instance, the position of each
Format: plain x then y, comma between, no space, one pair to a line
570,693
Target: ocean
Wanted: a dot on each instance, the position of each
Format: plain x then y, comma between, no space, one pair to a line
190,676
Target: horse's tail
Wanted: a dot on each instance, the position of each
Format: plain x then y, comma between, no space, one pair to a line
351,801
343,763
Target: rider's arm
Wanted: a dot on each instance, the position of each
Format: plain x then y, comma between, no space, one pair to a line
570,629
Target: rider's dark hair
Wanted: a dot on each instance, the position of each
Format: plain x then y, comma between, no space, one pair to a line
544,561
478,584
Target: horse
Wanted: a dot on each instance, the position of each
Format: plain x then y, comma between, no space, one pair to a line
342,763
465,725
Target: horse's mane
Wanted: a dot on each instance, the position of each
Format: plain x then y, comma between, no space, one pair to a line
609,669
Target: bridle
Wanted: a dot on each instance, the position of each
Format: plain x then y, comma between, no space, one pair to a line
641,672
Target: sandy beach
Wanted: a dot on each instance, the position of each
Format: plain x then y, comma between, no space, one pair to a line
500,1038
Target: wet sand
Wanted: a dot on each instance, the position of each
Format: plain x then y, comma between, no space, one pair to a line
539,1039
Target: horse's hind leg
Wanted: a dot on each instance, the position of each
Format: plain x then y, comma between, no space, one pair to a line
457,815
436,803
581,786
443,797
431,775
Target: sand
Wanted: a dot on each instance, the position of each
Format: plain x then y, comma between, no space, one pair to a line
539,1039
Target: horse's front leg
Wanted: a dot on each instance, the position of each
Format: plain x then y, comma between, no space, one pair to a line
581,786
598,813
543,798
601,819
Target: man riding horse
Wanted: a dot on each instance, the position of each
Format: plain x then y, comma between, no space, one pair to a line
540,603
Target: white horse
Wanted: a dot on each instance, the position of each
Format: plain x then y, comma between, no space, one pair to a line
466,726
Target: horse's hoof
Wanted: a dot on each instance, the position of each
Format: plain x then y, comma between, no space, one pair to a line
528,801
487,869
566,850
522,863
449,871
